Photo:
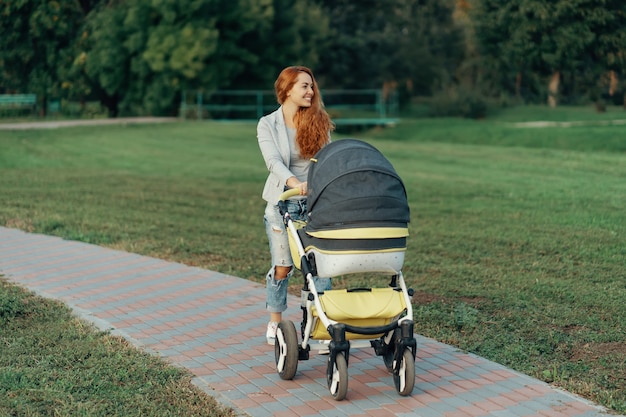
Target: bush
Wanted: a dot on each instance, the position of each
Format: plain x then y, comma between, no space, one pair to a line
11,303
461,103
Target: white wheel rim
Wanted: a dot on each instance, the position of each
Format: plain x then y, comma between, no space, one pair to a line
401,374
282,356
334,384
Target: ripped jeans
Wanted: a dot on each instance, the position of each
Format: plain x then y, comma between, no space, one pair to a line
276,301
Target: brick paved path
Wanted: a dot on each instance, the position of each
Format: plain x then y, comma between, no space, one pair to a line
214,325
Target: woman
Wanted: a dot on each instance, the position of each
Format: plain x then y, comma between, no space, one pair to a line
289,137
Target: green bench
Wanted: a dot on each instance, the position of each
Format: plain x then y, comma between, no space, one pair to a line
10,103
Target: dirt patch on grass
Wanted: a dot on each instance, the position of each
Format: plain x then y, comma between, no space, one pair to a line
25,225
595,350
425,298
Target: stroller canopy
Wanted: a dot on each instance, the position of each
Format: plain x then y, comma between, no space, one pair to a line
352,185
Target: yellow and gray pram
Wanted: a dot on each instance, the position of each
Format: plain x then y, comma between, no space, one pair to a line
357,222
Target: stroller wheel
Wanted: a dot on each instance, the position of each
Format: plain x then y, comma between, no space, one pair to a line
404,377
337,376
286,349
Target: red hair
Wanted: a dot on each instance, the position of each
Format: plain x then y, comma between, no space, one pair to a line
313,123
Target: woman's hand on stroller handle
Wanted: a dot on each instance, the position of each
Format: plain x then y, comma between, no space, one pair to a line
299,189
294,183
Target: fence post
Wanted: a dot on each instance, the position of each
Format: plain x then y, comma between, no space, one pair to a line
394,104
259,104
381,104
199,105
183,105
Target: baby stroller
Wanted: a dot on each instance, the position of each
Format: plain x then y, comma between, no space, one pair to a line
357,222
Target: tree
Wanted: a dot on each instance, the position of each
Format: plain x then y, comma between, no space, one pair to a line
412,43
296,32
530,43
36,36
138,54
144,54
15,54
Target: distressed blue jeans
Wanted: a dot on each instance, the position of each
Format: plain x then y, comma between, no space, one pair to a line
276,301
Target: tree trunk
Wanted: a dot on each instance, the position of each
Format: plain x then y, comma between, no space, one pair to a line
553,89
613,83
43,109
111,103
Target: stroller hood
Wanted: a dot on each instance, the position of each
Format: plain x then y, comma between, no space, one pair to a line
352,185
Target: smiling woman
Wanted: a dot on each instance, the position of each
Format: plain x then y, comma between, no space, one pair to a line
288,138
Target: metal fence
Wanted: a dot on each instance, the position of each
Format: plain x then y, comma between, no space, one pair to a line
355,107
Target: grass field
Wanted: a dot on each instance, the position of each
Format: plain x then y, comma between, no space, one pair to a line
518,240
52,364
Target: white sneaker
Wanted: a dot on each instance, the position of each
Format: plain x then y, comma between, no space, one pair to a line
272,326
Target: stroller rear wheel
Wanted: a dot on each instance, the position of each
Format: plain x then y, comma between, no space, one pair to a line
404,376
286,350
337,376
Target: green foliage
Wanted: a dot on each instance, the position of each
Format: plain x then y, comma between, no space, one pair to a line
15,54
412,45
144,54
293,33
139,57
524,42
35,44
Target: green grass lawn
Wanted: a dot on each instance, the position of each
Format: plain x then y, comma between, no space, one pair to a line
52,364
517,246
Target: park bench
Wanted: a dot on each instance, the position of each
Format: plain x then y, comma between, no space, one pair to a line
12,103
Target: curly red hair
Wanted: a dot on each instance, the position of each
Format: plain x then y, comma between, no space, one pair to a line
313,123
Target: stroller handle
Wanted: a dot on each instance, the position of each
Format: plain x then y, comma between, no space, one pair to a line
282,205
292,192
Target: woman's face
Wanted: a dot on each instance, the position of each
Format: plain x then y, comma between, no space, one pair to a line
301,93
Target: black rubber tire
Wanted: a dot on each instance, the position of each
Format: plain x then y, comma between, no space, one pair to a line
337,378
404,378
286,350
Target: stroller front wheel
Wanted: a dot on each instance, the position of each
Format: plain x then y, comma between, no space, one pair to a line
404,376
286,350
337,376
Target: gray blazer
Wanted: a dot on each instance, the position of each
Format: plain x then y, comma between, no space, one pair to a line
274,144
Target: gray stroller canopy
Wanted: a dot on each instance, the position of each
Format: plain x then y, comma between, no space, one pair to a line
352,185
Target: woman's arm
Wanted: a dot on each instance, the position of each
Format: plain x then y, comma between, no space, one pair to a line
268,143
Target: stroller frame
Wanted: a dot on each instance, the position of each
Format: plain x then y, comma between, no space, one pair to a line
394,341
